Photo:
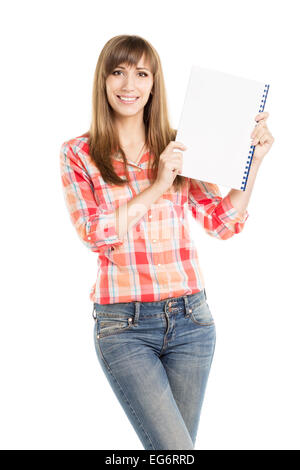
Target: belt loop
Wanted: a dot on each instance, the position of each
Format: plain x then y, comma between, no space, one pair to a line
188,309
93,312
136,313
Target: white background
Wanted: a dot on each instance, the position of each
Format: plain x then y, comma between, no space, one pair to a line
54,394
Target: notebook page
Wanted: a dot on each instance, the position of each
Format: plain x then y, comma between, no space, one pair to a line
215,124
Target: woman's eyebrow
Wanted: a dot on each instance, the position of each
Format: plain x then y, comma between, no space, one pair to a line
138,68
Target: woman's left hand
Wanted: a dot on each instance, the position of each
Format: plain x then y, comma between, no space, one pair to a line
262,137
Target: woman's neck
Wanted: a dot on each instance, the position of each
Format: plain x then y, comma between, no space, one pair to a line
131,131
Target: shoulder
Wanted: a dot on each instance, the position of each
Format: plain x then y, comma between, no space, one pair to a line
76,144
75,153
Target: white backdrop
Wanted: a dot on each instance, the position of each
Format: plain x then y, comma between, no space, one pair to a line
54,394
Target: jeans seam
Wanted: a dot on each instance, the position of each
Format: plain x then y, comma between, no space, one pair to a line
114,331
104,335
197,304
195,321
128,402
201,324
213,353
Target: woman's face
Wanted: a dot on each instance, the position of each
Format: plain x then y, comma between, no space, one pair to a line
132,82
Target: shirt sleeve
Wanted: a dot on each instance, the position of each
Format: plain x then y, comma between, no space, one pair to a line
217,215
95,225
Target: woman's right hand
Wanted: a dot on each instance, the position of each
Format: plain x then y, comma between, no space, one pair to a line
170,164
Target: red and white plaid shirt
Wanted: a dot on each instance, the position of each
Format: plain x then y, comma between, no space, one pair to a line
156,259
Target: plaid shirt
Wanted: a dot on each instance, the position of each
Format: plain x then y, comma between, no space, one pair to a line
156,259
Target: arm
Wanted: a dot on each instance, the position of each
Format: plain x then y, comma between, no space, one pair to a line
131,212
97,226
218,216
240,199
232,209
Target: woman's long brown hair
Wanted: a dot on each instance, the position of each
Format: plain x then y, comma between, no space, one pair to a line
103,140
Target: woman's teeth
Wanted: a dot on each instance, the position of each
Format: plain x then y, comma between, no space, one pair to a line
127,100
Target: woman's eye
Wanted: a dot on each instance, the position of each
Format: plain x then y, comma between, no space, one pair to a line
119,71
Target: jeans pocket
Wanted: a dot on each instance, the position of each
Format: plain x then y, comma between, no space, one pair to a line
110,324
201,314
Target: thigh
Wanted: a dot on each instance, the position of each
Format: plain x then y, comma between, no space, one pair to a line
139,381
187,361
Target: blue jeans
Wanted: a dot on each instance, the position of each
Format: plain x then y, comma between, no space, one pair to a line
157,357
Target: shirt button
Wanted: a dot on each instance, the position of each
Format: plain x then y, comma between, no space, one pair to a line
150,216
154,241
89,238
159,264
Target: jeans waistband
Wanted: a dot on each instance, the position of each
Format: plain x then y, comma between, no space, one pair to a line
138,309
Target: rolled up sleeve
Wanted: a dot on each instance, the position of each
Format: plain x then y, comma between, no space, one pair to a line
96,225
216,214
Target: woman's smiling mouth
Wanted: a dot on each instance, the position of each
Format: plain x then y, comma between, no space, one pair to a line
127,100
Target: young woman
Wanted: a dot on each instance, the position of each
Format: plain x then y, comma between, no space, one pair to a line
154,332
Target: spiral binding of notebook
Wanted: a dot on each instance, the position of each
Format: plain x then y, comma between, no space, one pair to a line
251,151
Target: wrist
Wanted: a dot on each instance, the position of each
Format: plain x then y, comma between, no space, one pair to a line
256,163
158,187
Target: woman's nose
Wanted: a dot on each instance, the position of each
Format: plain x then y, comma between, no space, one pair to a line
129,82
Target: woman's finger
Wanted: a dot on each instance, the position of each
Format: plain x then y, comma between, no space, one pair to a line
258,128
263,115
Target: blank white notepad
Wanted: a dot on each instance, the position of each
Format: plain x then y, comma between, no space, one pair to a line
216,121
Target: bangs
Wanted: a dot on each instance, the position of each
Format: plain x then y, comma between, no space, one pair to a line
129,52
